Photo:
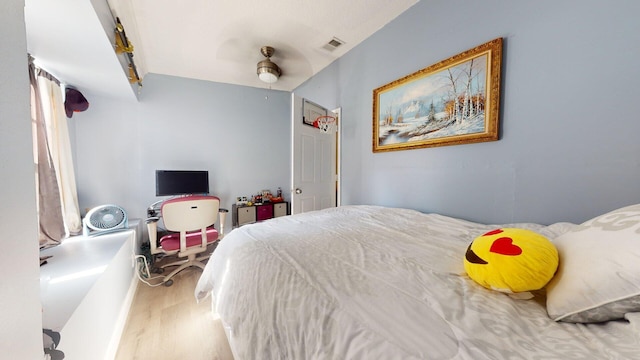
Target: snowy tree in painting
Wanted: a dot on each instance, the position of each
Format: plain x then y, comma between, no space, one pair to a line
447,103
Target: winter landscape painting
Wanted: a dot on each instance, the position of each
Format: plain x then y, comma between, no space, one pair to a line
455,101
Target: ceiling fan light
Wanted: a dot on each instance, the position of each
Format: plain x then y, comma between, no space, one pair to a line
268,77
268,71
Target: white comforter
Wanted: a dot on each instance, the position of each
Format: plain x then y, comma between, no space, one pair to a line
367,282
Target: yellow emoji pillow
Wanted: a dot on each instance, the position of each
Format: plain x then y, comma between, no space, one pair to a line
511,260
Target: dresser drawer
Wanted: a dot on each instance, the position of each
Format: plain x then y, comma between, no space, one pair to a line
242,214
246,215
279,209
264,212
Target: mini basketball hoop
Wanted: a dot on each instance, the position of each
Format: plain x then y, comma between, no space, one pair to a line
326,123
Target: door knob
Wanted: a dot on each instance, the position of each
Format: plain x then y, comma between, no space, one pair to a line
298,191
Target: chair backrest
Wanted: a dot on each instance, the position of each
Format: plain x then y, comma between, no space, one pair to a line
190,213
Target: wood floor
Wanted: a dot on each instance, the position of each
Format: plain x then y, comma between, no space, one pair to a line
167,323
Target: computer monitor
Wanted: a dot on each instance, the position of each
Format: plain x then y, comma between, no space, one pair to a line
181,182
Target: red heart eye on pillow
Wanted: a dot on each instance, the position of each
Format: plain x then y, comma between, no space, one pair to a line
504,246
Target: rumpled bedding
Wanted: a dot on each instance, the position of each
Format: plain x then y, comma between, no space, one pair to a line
370,282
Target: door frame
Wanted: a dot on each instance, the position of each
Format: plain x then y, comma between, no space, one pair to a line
338,112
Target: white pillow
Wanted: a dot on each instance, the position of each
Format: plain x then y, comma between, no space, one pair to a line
598,278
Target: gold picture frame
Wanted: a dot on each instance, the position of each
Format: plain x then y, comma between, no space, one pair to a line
455,101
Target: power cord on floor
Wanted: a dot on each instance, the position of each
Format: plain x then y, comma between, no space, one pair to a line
142,270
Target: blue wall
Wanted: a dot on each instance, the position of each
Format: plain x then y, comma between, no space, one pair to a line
20,306
568,147
235,132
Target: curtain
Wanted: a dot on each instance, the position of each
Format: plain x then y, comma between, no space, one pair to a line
58,210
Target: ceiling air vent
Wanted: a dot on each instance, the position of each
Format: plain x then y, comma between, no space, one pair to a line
333,44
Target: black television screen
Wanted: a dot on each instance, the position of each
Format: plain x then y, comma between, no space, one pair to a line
181,182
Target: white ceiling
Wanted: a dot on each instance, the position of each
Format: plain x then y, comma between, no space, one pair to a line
212,40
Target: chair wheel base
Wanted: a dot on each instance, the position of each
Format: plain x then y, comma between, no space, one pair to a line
157,270
168,283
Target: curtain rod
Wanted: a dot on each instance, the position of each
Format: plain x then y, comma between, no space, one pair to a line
42,72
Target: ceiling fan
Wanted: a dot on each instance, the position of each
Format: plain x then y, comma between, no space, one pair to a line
267,70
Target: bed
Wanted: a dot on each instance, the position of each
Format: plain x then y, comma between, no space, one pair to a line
370,282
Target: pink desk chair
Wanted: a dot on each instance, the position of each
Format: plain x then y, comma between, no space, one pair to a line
191,219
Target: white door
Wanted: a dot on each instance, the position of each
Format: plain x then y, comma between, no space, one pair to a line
314,159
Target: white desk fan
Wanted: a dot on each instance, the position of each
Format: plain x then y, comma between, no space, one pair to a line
104,219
